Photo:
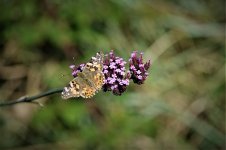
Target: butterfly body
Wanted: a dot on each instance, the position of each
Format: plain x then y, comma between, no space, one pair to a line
88,82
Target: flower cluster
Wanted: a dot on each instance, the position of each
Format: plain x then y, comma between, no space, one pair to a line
137,68
116,77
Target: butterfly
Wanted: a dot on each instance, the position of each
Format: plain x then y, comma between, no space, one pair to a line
88,82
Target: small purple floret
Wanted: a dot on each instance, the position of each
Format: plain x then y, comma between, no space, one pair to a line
76,70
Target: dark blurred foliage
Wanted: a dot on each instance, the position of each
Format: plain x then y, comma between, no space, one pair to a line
180,106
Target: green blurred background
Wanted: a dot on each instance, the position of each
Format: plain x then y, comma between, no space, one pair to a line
180,107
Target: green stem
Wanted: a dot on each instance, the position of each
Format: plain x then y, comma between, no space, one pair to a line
30,99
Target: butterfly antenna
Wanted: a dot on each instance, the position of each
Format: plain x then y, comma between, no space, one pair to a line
74,60
63,75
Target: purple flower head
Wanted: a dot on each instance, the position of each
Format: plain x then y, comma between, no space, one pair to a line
117,79
137,68
76,70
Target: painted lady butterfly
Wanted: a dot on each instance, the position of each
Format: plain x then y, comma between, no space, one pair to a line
88,82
